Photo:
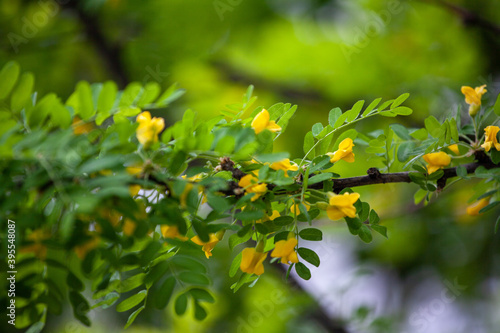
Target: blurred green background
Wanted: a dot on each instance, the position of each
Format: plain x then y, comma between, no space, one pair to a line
318,54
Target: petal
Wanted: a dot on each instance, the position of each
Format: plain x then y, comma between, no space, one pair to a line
349,211
454,148
346,144
260,121
246,258
334,213
349,158
293,257
144,117
471,96
273,127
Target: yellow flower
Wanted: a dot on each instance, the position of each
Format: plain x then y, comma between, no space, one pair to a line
134,190
208,246
82,249
251,261
134,170
149,128
454,148
80,127
262,122
37,247
473,98
128,227
285,249
344,153
342,205
474,209
249,183
436,161
491,138
274,215
296,210
284,165
172,231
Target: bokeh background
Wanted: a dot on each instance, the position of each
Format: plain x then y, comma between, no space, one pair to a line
439,270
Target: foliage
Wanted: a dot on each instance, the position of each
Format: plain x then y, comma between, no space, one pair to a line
97,196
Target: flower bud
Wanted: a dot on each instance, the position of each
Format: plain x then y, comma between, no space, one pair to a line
474,109
322,205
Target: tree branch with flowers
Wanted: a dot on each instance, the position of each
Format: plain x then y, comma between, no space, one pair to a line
104,192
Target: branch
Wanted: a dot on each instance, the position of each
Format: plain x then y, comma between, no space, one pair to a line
468,18
111,55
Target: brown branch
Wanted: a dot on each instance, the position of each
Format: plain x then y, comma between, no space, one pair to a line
375,177
110,54
468,18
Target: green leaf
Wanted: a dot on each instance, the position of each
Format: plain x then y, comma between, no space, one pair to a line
420,134
132,316
371,106
495,156
316,129
283,220
193,278
181,304
106,101
74,282
373,218
402,111
496,107
162,297
132,301
433,126
309,255
303,271
150,92
319,178
365,234
489,207
398,101
311,234
273,157
380,229
22,92
85,106
333,116
401,131
202,295
308,143
497,223
404,150
235,265
170,95
108,300
249,215
341,120
199,312
225,145
354,112
461,171
454,130
189,263
8,78
320,163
